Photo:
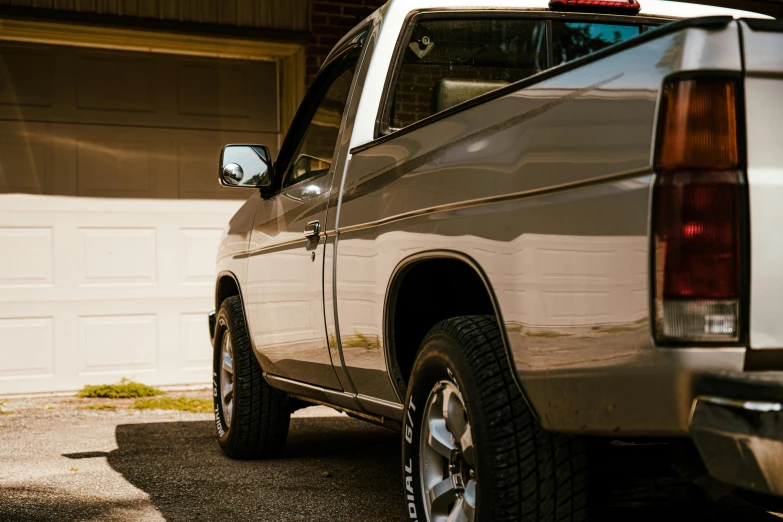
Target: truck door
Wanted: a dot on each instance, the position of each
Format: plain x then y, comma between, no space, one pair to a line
284,290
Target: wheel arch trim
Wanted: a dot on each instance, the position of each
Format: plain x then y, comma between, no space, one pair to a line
220,276
390,299
228,273
223,275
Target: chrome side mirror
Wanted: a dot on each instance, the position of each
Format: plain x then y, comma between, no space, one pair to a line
247,166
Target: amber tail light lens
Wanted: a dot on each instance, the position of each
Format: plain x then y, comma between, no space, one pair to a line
697,213
698,126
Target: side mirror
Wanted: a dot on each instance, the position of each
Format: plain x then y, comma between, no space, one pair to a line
247,166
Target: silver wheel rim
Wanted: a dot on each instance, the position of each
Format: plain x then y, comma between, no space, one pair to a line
227,378
448,458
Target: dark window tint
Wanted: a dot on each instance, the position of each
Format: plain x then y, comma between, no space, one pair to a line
447,62
313,155
572,40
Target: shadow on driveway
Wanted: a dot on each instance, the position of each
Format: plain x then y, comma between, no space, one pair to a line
333,468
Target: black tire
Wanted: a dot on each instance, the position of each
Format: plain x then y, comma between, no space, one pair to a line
260,416
522,472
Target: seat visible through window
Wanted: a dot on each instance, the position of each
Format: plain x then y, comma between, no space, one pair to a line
448,60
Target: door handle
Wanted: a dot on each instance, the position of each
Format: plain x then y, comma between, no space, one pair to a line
313,230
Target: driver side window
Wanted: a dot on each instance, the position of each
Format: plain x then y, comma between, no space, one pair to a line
313,155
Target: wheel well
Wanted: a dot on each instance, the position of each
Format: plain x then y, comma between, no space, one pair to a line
226,287
422,295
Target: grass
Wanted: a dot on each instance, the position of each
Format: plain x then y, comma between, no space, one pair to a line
175,403
102,406
124,390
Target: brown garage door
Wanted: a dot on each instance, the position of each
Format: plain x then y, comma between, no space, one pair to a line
96,123
110,211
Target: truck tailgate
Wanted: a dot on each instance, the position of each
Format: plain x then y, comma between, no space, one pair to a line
763,42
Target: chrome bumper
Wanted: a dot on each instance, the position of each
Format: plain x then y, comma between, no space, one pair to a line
737,426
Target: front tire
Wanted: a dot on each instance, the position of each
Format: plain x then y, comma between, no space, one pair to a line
472,449
251,417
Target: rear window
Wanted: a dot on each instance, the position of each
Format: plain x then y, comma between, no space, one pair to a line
572,40
444,62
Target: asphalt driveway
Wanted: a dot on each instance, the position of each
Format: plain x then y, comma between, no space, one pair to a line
61,462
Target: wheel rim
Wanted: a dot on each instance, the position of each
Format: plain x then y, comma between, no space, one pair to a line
448,457
227,378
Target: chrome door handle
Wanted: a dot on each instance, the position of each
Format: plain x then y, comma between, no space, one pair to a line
313,230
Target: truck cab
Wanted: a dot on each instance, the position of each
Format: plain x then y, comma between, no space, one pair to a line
501,228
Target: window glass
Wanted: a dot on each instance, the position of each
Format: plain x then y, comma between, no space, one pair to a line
572,40
447,62
313,155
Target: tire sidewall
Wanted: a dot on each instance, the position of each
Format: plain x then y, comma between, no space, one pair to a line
223,328
439,360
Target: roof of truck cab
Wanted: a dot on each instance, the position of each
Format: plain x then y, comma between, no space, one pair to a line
658,8
395,12
670,9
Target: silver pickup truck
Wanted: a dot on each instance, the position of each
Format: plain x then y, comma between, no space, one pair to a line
503,227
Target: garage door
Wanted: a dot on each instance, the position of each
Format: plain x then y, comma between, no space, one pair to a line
110,212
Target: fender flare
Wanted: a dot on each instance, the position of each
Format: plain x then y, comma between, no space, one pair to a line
398,275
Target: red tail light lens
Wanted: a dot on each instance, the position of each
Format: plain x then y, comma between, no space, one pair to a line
697,213
697,225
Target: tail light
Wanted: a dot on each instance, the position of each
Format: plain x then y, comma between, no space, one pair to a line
698,213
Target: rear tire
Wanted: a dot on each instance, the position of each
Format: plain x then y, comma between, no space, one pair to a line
508,467
251,417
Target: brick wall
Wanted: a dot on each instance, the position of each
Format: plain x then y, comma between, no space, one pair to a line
329,21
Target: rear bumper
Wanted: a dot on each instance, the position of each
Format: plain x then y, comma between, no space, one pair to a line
737,426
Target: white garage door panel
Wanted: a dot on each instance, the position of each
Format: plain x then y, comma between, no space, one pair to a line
115,256
26,347
121,288
119,343
197,251
34,268
110,210
195,352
